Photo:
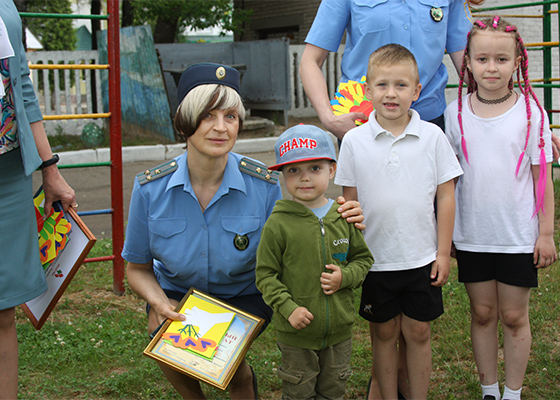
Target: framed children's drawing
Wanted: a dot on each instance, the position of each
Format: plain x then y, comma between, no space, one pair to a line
64,243
210,343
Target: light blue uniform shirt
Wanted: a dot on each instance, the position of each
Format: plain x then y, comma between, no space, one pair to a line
371,24
191,248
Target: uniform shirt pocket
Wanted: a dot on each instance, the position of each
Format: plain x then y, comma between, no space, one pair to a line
240,237
167,239
371,15
426,8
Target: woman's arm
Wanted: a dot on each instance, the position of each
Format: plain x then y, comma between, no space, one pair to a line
54,185
457,60
143,282
315,87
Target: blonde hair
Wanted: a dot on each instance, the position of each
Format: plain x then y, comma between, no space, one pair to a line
392,54
200,101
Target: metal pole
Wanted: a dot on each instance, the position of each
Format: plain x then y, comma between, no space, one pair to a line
558,23
113,53
547,59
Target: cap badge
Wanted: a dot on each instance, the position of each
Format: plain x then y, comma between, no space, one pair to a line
220,73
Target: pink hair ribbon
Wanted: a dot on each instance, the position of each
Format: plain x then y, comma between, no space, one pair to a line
480,24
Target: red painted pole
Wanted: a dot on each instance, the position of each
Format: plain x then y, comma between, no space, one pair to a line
113,53
99,259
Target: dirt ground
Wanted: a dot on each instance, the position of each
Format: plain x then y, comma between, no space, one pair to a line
277,130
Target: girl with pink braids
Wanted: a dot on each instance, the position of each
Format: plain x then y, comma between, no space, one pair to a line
505,203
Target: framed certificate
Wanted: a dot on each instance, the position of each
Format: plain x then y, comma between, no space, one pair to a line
69,239
210,344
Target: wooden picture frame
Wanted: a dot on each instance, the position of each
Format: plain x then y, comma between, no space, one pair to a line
60,271
231,350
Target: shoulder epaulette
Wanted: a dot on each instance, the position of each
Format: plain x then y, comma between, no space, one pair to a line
258,170
157,172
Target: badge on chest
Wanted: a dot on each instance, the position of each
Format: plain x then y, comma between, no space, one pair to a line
241,242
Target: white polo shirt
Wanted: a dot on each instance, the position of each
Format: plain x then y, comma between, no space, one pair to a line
397,179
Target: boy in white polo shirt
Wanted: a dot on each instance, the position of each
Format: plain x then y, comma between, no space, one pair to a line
397,165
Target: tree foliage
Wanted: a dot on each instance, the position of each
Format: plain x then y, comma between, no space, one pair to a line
53,33
168,18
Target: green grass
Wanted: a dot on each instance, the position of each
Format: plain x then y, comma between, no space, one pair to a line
91,346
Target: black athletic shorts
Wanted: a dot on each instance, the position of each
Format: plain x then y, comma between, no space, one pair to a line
511,269
386,294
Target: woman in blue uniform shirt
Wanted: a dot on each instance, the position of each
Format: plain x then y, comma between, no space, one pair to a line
196,221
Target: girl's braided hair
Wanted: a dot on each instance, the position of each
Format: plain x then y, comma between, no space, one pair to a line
498,24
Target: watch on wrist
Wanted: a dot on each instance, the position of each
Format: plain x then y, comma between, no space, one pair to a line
53,160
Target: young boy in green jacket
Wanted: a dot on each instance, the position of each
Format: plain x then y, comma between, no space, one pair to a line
308,261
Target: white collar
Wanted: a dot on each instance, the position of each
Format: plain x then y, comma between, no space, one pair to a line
413,127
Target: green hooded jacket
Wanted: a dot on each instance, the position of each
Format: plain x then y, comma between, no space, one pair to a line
294,248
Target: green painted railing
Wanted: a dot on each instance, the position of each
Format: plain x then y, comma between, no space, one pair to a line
96,164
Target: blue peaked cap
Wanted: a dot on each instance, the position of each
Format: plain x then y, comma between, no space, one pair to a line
206,74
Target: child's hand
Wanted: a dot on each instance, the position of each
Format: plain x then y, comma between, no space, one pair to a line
351,211
545,251
440,270
331,281
300,318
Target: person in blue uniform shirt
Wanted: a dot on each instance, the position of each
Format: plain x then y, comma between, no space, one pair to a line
427,28
196,221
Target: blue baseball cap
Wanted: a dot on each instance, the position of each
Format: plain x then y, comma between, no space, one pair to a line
303,143
206,74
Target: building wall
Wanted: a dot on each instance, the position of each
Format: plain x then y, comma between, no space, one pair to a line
272,19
